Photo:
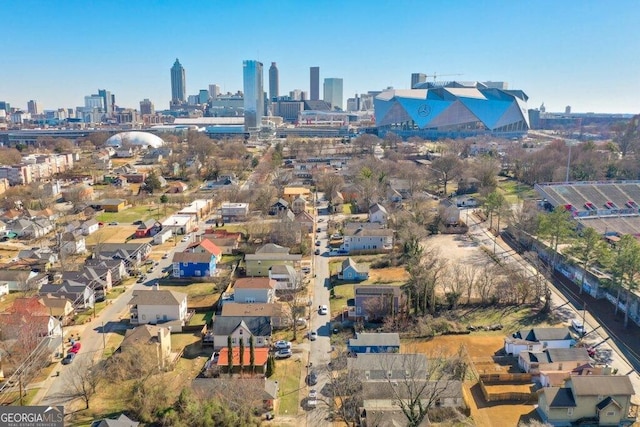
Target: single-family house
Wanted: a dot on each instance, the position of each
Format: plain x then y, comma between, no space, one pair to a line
158,306
232,212
367,240
227,245
273,310
364,342
557,378
131,253
281,205
241,328
603,400
80,294
157,337
22,280
59,307
124,152
121,421
194,264
538,339
553,359
177,187
449,212
4,288
89,227
163,236
351,193
258,264
95,277
28,317
148,228
378,214
261,393
72,243
254,289
31,229
336,202
353,272
291,193
117,268
299,204
374,302
285,277
41,254
305,221
206,246
261,356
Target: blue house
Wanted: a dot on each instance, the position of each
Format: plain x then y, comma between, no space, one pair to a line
353,272
374,343
193,264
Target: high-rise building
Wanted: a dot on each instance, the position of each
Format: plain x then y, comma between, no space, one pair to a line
5,106
314,83
214,91
333,92
203,96
108,101
178,84
253,93
146,107
34,108
274,82
94,101
417,78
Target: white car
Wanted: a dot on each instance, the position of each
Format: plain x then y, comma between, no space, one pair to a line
312,401
323,309
282,345
283,354
313,335
185,239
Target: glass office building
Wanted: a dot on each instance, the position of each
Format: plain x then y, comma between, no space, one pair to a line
253,93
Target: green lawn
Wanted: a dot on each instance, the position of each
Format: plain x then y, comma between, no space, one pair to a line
513,190
142,212
288,376
201,318
86,315
348,209
341,295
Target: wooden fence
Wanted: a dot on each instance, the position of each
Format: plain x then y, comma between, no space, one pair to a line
508,396
505,378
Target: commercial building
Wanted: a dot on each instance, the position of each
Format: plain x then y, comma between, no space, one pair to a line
417,78
274,82
451,110
314,83
178,84
34,108
253,93
333,92
146,107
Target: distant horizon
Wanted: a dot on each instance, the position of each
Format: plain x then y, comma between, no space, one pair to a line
584,55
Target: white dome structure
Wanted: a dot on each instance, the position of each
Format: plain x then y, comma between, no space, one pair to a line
140,139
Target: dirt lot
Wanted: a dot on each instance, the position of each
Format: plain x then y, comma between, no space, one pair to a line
388,275
477,345
111,234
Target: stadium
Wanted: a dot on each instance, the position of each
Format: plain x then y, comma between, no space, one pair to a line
611,208
452,110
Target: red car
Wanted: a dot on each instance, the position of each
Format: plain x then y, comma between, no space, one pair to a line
75,348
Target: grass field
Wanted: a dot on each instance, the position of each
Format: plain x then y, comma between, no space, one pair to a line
288,376
388,275
142,212
342,295
513,190
198,294
111,234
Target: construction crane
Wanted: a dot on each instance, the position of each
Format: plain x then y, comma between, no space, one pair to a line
441,75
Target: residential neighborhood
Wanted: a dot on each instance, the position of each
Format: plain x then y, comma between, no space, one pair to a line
349,295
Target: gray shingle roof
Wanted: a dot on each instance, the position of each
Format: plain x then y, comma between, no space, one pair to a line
257,325
545,334
376,366
375,339
156,297
559,397
602,385
195,257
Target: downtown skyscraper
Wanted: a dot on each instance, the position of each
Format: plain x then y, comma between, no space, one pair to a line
333,92
314,83
252,76
274,82
178,84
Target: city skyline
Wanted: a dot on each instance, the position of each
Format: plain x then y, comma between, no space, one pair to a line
580,54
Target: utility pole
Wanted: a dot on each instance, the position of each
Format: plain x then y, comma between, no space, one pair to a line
104,344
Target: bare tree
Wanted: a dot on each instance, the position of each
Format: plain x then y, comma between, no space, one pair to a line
295,303
486,283
83,379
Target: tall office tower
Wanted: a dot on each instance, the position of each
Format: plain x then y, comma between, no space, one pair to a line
214,91
295,95
108,101
178,84
274,82
333,92
203,96
34,108
417,78
71,113
314,83
94,101
146,107
253,93
5,106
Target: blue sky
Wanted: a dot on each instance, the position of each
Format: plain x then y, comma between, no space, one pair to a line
580,53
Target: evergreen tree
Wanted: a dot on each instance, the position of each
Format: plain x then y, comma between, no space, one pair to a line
252,355
271,366
241,355
230,362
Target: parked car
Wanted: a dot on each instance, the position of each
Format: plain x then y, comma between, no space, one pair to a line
318,243
68,359
312,378
323,309
578,326
283,354
281,345
113,223
313,335
165,256
141,279
75,348
317,252
312,401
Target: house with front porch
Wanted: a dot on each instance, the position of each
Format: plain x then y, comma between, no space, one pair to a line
80,294
370,240
553,359
254,289
538,339
193,264
259,263
154,306
285,277
241,328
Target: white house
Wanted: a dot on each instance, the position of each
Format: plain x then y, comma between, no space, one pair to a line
363,239
285,276
4,289
157,306
241,327
378,213
72,243
179,224
538,339
162,236
234,211
89,227
254,289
